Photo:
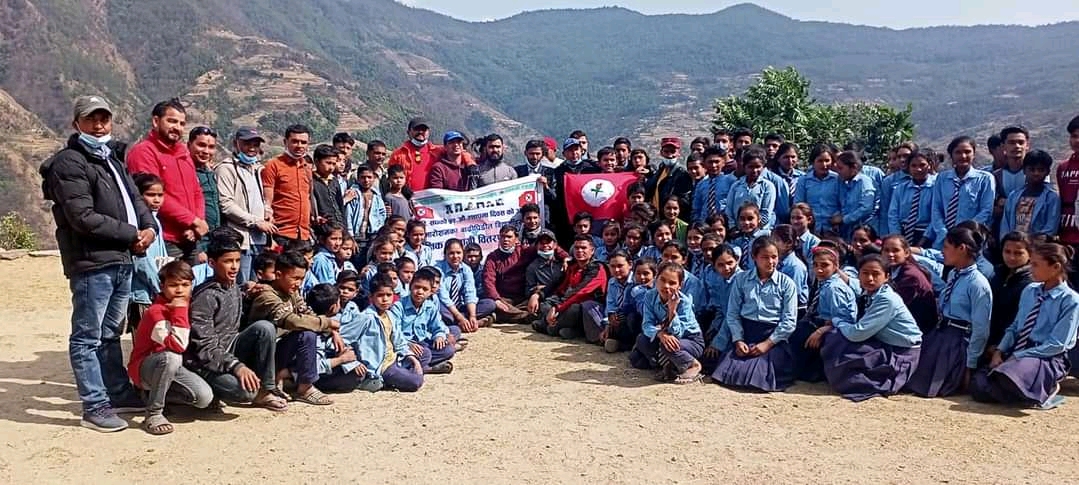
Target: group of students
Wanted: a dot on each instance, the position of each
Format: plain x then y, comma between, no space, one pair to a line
731,265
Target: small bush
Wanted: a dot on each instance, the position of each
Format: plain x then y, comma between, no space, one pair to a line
15,233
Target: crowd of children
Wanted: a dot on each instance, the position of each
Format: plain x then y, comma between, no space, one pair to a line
766,275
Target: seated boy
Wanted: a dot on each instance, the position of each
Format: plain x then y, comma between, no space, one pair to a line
324,300
158,347
297,350
348,375
238,365
383,351
418,319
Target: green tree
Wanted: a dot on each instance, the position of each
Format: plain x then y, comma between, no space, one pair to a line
780,102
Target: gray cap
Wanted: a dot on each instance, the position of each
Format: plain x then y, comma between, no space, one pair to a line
85,105
546,233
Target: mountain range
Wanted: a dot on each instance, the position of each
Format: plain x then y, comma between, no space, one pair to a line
366,66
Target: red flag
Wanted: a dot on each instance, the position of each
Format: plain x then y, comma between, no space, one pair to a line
604,195
528,197
422,212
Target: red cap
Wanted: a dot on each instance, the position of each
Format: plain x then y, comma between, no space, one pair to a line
671,140
551,144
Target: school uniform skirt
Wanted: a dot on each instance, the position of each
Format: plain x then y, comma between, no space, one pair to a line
1028,381
773,371
943,360
864,370
807,362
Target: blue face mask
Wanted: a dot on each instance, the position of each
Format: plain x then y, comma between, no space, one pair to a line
97,145
545,254
246,159
417,143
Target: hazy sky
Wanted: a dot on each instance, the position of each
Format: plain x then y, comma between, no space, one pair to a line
889,13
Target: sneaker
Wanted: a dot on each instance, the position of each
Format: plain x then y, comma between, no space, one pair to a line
129,405
103,419
611,345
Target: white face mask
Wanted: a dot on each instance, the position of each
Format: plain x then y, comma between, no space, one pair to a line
545,254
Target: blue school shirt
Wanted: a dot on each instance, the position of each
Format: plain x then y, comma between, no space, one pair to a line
720,185
835,299
634,305
791,180
421,325
858,201
821,194
806,243
971,301
324,269
1054,330
145,284
354,210
899,205
984,266
692,286
203,273
718,289
423,256
783,197
370,344
763,193
650,251
366,276
886,319
886,191
348,316
682,325
1044,219
461,276
744,245
617,293
976,196
935,269
774,300
791,266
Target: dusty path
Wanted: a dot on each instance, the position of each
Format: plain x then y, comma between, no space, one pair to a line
518,409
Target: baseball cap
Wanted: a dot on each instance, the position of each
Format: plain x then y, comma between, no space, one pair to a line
85,105
671,140
545,233
247,133
570,142
551,144
452,135
418,122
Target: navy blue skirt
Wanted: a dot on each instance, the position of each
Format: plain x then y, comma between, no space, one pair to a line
1026,381
942,363
773,371
864,370
808,365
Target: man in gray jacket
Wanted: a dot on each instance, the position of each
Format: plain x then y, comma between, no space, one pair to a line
240,191
492,168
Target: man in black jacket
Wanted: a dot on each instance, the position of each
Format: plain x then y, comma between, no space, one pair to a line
556,188
101,221
670,178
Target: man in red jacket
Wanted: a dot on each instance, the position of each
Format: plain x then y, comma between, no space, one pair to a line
162,153
417,154
575,305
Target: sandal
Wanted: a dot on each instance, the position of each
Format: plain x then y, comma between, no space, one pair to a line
690,376
157,425
315,397
271,402
441,368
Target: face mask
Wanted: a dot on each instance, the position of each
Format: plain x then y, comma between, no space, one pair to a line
246,159
417,143
722,145
545,254
668,161
292,155
695,251
507,251
94,142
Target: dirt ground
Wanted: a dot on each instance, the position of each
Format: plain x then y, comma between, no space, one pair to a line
519,408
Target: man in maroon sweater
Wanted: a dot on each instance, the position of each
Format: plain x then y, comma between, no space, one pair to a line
451,172
504,276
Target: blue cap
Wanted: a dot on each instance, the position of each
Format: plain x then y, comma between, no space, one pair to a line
569,143
452,135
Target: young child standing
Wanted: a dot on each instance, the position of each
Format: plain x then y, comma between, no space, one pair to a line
833,299
397,197
1035,208
952,350
760,317
158,348
873,355
751,188
670,336
145,284
610,240
385,357
417,318
297,349
857,195
1028,365
365,214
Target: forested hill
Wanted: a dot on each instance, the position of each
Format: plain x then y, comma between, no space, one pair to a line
367,65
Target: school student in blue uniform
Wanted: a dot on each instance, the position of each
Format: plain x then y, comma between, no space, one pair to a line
821,186
415,249
832,299
751,187
678,253
710,195
857,195
961,193
717,279
749,229
670,337
460,305
324,265
1028,365
784,166
804,220
875,354
1034,208
910,207
952,350
790,265
617,334
417,317
760,318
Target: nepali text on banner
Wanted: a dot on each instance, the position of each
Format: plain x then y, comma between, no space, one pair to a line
476,215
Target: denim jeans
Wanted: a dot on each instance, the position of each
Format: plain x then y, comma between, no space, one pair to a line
254,347
164,376
99,301
247,263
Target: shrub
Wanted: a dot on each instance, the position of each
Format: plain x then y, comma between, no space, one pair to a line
15,233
